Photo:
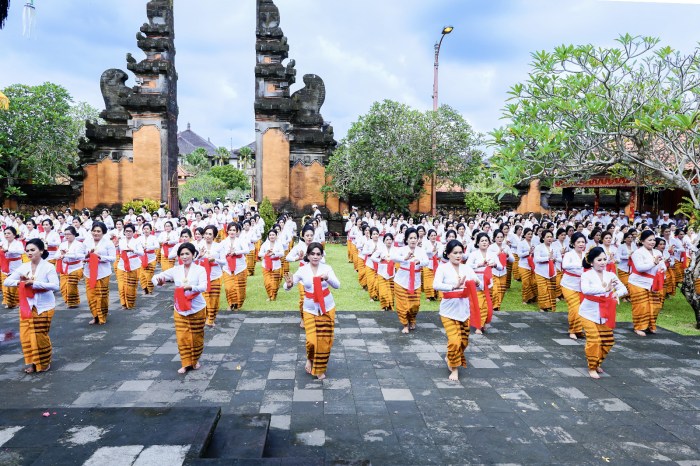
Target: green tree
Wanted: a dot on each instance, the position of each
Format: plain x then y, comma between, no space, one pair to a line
222,156
38,135
245,157
197,161
631,109
388,153
268,214
202,186
233,177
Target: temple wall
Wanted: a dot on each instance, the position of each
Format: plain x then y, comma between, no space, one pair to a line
423,204
275,166
530,202
305,185
108,182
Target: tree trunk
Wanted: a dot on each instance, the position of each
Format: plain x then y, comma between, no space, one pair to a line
691,287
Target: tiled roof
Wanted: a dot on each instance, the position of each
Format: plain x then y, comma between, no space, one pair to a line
188,141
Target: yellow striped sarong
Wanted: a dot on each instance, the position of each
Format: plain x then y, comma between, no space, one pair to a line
189,332
385,288
643,314
126,283
35,340
98,299
498,291
371,278
573,302
250,262
427,279
10,295
529,285
212,299
516,268
599,341
235,286
69,287
457,341
271,280
319,339
145,276
509,274
546,292
407,305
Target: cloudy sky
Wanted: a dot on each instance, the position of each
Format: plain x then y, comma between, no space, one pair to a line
365,50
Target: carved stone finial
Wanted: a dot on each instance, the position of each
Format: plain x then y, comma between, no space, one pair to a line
114,93
268,19
307,101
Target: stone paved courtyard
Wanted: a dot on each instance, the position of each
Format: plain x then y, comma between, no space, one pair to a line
524,399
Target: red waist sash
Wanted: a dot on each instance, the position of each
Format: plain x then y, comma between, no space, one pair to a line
531,262
469,291
207,266
25,293
608,307
566,272
267,262
488,275
183,302
231,261
658,279
319,294
93,264
503,258
412,277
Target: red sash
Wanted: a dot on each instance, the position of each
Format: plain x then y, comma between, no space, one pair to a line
207,266
552,271
658,279
267,262
390,268
166,250
4,263
531,262
608,307
375,266
125,260
503,258
684,260
40,227
412,277
93,263
488,276
144,258
319,294
469,291
183,302
231,261
59,267
611,267
52,248
566,272
25,293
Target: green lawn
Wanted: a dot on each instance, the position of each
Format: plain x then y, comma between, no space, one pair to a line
676,315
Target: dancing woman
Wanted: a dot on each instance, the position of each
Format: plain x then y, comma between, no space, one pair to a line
385,273
408,279
36,281
100,253
235,270
69,265
189,315
572,265
601,293
11,251
318,308
271,253
646,277
459,301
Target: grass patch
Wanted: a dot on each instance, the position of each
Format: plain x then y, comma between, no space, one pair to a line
676,315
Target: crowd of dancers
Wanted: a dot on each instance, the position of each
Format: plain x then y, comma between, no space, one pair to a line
590,260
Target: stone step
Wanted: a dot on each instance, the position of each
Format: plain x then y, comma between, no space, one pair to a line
286,461
239,437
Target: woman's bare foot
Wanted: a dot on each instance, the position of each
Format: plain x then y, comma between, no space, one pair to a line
593,374
93,321
307,367
573,336
478,331
182,370
30,369
301,324
412,327
404,329
641,333
600,370
652,331
321,376
454,374
196,366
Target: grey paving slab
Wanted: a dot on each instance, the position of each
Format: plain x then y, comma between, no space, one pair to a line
525,394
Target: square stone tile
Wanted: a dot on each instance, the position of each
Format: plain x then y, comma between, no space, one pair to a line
553,434
135,386
397,394
307,395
